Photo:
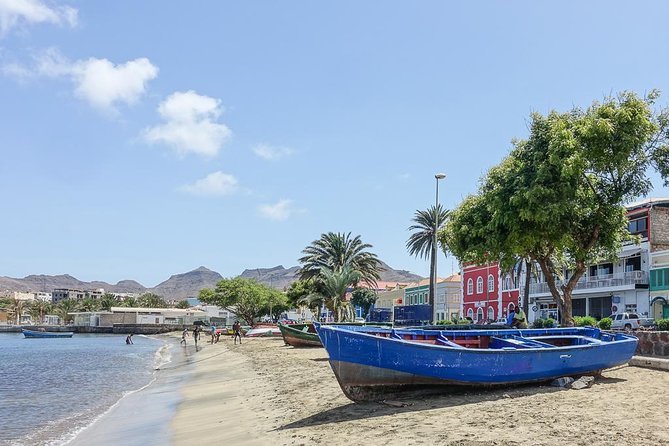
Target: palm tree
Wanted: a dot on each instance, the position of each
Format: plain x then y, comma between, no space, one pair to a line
333,285
151,300
336,251
422,242
39,308
107,301
129,302
87,304
65,307
16,307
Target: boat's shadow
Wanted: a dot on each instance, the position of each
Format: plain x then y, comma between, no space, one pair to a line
428,399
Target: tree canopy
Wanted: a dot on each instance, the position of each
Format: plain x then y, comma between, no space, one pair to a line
247,298
558,198
335,251
363,298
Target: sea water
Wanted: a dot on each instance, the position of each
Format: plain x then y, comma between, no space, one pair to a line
51,389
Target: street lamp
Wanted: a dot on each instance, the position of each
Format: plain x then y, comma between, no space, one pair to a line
435,251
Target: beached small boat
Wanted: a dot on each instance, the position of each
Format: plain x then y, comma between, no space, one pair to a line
46,334
371,362
300,335
264,330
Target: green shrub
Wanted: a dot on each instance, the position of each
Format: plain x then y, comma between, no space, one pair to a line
585,321
662,324
539,323
464,321
549,323
445,322
605,323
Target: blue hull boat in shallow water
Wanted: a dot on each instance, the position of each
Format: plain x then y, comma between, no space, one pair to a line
46,334
371,362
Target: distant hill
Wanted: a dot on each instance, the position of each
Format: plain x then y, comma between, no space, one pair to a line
178,286
181,286
280,277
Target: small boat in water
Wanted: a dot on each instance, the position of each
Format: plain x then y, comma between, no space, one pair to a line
46,334
300,335
371,362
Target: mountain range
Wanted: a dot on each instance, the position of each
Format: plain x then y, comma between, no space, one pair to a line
178,286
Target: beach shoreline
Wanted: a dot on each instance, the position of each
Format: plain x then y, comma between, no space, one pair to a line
263,392
143,416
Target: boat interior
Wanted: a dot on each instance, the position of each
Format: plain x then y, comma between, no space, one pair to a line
499,339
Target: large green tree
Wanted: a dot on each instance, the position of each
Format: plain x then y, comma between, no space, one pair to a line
246,298
364,298
422,244
559,197
334,251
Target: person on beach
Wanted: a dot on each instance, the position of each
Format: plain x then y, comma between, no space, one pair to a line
237,332
519,319
183,336
128,339
213,333
512,313
196,334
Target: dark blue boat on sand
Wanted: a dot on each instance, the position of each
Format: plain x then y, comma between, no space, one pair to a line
46,334
372,362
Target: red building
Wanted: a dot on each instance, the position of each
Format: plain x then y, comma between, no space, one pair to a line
487,294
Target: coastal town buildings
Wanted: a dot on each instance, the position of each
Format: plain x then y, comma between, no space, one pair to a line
67,293
487,292
637,280
139,316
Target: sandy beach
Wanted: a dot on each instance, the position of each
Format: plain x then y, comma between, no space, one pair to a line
262,392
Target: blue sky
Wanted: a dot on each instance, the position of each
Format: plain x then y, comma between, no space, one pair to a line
146,138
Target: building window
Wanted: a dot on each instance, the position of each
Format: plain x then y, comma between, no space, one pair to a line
491,283
633,264
479,285
638,226
601,270
470,312
507,283
470,286
479,315
491,314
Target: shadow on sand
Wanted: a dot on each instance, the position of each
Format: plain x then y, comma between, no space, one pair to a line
427,398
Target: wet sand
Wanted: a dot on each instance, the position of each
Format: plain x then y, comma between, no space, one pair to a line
262,392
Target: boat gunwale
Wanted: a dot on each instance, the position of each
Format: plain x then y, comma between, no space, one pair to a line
440,347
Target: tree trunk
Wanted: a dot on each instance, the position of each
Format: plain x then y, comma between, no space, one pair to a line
526,290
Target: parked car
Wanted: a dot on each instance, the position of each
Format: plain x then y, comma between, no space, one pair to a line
630,321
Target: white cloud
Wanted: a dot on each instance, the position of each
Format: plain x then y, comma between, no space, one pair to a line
270,153
279,211
103,84
190,124
97,81
214,184
14,13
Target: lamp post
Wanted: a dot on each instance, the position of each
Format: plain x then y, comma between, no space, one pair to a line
435,251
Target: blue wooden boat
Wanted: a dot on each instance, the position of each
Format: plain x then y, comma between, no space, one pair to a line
371,362
46,334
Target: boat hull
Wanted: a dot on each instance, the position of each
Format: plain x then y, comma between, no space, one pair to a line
366,364
296,335
46,334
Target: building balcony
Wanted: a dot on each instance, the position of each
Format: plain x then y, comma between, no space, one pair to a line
608,282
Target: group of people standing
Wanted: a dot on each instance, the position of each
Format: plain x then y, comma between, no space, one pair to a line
215,334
